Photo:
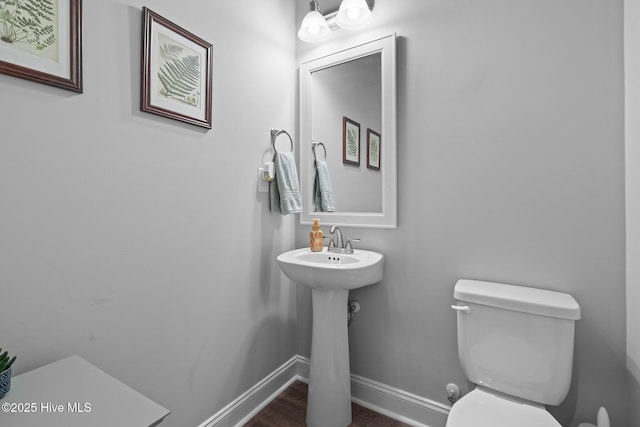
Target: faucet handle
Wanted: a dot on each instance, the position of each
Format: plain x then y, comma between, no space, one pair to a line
349,247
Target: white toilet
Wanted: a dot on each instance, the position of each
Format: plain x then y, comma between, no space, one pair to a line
516,344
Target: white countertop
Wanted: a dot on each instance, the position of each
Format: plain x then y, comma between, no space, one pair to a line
73,393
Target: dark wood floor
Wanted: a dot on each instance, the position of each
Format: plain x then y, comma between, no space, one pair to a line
289,410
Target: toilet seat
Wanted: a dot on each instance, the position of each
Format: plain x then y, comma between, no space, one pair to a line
482,408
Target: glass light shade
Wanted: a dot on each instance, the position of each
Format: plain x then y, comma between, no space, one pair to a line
314,28
353,14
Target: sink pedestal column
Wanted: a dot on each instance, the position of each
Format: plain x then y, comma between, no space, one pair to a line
329,399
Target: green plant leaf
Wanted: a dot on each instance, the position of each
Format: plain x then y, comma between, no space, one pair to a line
13,359
5,361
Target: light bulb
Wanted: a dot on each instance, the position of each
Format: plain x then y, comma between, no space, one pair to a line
353,14
314,28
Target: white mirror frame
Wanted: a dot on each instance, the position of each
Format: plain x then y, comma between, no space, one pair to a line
386,46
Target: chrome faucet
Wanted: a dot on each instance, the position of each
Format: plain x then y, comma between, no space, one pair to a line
336,244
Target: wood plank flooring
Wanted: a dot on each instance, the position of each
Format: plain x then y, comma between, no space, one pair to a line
289,410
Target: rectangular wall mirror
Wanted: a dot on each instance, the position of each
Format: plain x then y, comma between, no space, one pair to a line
348,114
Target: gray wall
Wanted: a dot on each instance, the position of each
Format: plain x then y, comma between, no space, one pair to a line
140,243
511,169
632,138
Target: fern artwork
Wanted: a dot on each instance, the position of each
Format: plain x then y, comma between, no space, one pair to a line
30,26
350,142
373,150
178,72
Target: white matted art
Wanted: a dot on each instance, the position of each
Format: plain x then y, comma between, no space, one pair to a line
41,41
176,72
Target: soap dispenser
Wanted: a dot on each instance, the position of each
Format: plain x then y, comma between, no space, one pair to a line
315,236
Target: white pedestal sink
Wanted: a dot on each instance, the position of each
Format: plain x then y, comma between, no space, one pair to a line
330,276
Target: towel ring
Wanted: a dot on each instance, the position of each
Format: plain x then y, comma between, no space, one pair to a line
274,135
315,147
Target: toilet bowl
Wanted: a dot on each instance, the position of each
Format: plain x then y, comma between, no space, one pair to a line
515,343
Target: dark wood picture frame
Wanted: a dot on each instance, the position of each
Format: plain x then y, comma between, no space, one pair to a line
374,144
71,77
193,72
350,142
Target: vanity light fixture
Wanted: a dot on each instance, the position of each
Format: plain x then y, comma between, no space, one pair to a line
314,27
351,15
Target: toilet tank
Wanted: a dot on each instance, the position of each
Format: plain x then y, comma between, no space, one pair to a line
516,340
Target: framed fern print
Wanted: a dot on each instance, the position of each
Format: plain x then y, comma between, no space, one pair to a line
373,150
350,142
41,41
176,72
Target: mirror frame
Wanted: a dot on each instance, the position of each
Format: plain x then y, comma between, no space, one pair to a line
386,46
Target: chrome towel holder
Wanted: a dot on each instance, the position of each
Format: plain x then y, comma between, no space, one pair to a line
274,135
314,147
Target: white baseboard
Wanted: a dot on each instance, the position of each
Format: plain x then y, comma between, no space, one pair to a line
392,402
398,404
243,408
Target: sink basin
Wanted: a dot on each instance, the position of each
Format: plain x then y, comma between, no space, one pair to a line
330,275
329,270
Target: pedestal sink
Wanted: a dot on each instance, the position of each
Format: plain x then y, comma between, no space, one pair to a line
330,276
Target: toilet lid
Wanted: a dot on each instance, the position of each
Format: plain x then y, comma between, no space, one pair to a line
481,408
